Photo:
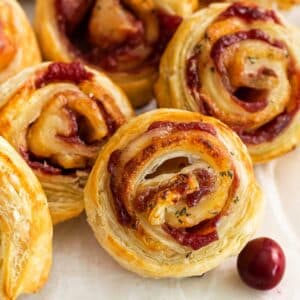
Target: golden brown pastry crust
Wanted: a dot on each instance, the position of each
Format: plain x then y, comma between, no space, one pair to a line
19,48
130,43
58,116
172,194
26,227
239,63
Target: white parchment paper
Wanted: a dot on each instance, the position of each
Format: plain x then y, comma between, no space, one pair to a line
82,270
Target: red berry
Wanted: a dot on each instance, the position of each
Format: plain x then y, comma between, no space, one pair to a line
261,264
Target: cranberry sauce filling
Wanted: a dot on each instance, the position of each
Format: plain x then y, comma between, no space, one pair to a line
111,123
252,100
173,126
206,183
80,129
74,72
45,166
195,237
73,20
73,137
267,132
180,185
123,216
146,198
249,13
168,25
194,83
192,75
39,164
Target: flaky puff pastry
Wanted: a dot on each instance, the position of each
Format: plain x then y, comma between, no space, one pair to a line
123,38
19,47
172,194
282,4
239,63
58,116
26,227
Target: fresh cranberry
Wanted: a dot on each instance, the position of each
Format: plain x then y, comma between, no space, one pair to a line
261,264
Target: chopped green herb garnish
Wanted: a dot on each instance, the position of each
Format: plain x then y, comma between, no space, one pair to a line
252,59
236,199
226,173
213,212
182,212
206,36
198,48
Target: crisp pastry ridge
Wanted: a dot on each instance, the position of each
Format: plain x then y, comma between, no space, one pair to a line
172,194
123,38
19,47
57,116
239,63
26,227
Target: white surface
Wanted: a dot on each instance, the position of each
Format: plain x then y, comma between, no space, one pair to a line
82,270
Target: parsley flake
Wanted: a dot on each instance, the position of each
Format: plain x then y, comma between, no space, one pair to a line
236,199
226,173
252,59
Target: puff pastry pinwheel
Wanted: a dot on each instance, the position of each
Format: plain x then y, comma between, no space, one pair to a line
57,116
18,46
26,227
282,4
125,38
172,194
239,63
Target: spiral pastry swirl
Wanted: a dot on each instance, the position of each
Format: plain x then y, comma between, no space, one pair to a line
58,116
18,46
240,64
125,38
172,194
26,227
